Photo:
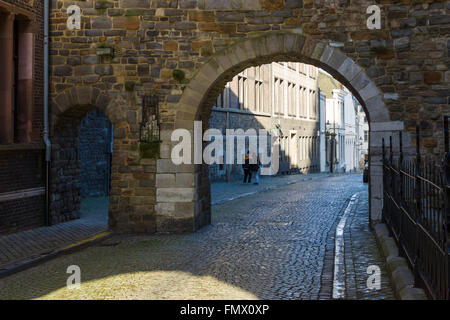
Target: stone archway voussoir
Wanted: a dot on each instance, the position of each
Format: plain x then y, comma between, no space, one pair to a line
332,57
102,101
211,70
186,108
192,97
308,46
275,44
250,50
60,104
360,81
369,91
289,42
318,50
349,69
223,61
84,95
377,109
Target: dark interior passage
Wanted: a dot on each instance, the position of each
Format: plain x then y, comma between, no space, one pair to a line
95,155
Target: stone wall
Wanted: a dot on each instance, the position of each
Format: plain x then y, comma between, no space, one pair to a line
399,74
95,155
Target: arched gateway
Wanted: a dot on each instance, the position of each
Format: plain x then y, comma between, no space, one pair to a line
129,49
193,202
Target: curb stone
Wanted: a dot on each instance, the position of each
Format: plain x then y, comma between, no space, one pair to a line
401,276
32,261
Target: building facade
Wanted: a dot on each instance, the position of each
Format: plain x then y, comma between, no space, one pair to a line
22,183
280,98
363,135
342,126
209,41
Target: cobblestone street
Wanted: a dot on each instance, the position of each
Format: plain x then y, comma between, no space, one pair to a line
271,245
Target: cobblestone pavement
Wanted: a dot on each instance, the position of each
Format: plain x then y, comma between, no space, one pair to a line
30,244
264,246
222,192
361,252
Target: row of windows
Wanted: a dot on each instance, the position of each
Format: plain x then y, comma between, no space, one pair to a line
300,102
242,101
302,68
306,148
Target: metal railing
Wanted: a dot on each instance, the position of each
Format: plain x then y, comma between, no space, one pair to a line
416,211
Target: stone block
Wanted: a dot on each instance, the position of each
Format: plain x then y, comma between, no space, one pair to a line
175,194
402,278
184,179
394,262
389,246
165,180
165,209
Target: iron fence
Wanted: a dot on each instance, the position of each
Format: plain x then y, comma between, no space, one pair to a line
416,211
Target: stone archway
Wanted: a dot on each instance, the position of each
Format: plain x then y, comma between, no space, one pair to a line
186,207
67,112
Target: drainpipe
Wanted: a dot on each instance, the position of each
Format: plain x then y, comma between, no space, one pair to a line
47,142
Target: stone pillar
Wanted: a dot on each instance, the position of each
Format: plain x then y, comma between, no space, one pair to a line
24,103
6,76
378,131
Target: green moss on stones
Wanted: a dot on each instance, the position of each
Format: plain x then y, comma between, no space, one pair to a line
149,150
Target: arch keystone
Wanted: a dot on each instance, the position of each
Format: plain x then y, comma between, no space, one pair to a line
274,44
289,42
84,95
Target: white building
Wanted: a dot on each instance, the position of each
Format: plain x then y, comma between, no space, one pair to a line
363,135
340,127
280,97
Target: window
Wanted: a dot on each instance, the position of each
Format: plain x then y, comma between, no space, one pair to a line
219,101
312,104
261,96
243,92
259,106
291,99
275,96
302,68
279,102
366,135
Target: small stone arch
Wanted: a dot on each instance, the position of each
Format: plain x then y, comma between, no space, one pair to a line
77,101
197,99
67,111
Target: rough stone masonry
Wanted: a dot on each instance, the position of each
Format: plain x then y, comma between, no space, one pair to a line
399,73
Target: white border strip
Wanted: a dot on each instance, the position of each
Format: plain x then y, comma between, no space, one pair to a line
339,250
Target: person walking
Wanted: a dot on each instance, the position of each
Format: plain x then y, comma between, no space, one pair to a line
254,167
247,168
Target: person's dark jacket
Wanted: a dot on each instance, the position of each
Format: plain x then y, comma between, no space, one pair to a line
246,165
255,167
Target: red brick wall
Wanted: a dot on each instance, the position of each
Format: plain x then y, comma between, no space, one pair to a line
22,168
